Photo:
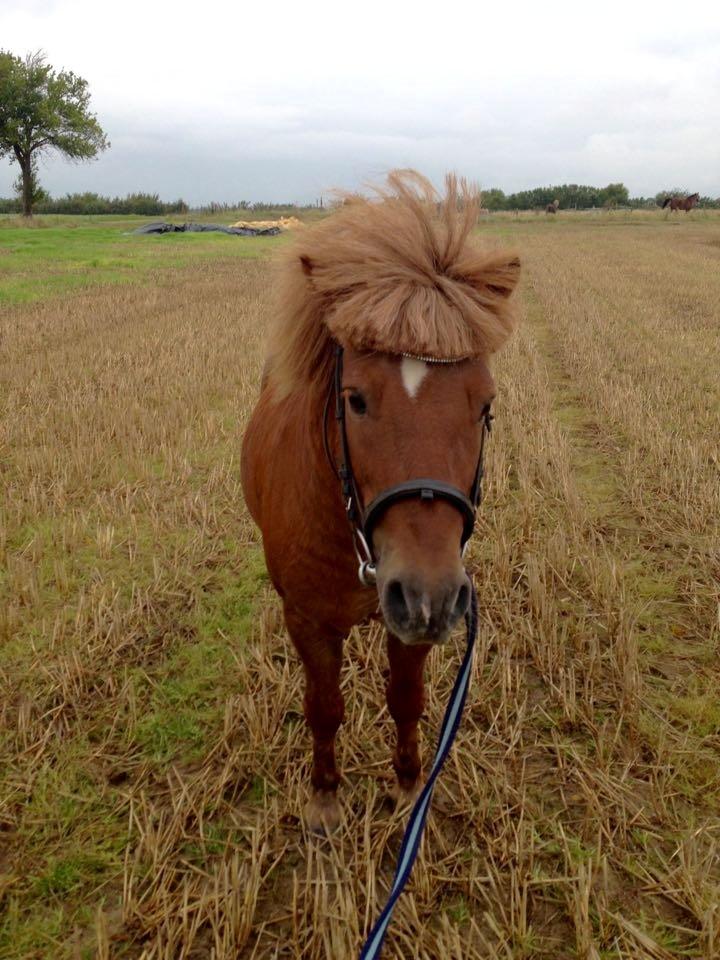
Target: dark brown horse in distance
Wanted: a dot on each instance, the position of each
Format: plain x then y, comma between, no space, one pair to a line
681,203
552,207
399,285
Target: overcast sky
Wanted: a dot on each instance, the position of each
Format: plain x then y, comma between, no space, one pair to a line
276,101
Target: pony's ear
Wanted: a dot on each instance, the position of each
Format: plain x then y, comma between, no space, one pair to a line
503,276
306,265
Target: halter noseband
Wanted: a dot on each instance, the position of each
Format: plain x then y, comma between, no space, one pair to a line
363,520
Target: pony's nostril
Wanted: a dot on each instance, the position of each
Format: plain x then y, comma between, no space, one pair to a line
425,613
396,602
462,601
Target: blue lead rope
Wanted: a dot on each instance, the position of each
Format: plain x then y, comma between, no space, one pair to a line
416,823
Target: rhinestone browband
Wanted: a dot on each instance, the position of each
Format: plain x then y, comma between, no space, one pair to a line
414,356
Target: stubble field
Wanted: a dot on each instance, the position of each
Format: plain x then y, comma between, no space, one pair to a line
154,761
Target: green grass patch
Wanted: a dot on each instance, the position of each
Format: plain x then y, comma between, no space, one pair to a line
188,698
39,934
65,875
68,847
217,837
699,709
71,833
458,911
258,789
50,260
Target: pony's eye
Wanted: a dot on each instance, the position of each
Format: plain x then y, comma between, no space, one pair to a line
485,413
357,404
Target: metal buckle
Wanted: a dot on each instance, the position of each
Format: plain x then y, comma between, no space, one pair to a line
366,562
367,574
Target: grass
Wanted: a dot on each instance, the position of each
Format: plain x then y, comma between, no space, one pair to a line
53,258
153,758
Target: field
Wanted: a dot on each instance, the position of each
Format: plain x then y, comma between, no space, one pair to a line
59,255
153,757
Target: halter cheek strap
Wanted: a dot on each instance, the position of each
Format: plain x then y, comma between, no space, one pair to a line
363,520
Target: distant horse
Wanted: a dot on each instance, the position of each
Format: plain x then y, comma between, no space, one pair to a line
372,410
681,203
552,207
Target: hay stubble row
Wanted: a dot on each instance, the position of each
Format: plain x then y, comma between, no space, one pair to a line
154,756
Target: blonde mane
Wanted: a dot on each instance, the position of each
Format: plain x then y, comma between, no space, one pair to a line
396,273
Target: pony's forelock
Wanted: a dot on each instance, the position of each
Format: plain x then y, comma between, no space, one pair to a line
396,272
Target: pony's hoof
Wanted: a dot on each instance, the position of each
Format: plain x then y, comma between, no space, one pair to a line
322,812
404,796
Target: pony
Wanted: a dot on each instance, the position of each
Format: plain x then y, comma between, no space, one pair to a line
377,372
552,207
681,203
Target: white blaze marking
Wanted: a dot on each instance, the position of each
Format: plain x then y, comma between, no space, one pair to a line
413,373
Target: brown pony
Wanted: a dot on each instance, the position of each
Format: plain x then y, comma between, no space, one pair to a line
681,203
552,207
418,308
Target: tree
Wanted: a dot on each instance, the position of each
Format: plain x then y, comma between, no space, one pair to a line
493,199
614,195
32,189
43,110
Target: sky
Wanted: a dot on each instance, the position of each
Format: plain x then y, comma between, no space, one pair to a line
281,101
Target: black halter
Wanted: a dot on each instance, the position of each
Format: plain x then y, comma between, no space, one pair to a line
363,520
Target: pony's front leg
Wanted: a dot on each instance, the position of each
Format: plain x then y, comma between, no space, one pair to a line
406,700
321,654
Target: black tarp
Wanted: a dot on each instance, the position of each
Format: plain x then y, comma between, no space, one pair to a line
161,227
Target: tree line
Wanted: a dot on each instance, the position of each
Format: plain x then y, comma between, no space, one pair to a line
144,204
258,206
573,196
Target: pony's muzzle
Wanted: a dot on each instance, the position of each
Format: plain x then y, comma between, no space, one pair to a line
420,613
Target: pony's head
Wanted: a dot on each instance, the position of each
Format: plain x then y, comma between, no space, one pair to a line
418,308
